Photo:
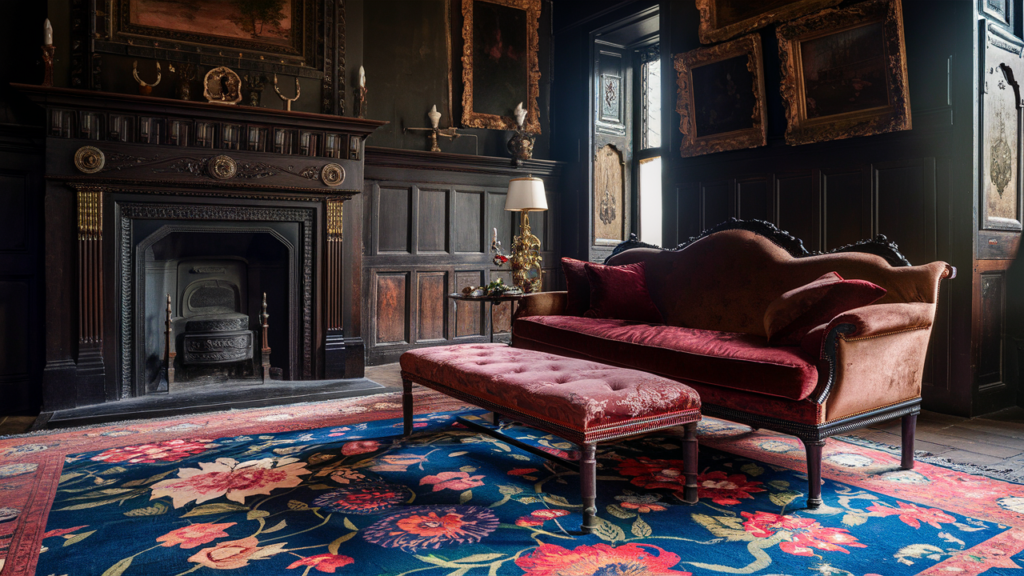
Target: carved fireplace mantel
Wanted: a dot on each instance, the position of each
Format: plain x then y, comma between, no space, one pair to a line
118,166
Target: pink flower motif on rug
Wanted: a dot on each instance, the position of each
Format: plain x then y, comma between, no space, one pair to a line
552,560
913,515
323,562
805,533
166,451
235,553
452,481
226,477
724,489
398,462
359,447
194,535
432,527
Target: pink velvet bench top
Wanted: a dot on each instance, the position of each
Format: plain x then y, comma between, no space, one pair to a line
591,401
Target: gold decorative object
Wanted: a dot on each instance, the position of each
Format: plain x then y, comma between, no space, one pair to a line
433,132
844,73
89,159
222,167
145,88
526,195
90,213
222,85
335,219
332,174
723,19
494,72
713,120
288,101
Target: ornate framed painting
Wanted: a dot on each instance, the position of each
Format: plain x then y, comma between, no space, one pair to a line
724,19
499,63
720,97
1002,131
844,73
295,37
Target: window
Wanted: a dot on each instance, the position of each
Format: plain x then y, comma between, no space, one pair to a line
649,180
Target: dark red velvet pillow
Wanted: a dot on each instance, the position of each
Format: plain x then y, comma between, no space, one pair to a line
620,292
577,300
791,316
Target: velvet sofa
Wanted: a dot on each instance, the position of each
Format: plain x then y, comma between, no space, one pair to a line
862,367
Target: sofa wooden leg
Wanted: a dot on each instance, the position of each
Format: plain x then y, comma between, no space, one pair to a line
813,448
588,486
407,406
690,463
909,427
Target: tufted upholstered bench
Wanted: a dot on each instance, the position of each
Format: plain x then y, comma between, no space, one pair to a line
579,400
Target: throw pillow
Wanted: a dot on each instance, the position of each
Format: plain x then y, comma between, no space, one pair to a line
620,292
578,287
791,316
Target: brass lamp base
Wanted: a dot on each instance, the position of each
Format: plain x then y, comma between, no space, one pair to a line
525,260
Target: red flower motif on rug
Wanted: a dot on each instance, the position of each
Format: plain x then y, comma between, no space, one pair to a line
228,477
62,532
599,559
323,562
235,553
726,489
363,498
805,533
359,447
452,481
654,474
433,527
194,535
166,451
913,515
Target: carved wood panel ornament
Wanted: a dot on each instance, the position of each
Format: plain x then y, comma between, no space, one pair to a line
844,73
720,97
1002,133
609,196
500,62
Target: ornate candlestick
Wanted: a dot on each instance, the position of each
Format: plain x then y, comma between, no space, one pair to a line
48,51
433,132
361,100
169,353
288,101
265,351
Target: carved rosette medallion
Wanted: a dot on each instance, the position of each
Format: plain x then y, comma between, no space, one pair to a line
332,174
89,159
222,167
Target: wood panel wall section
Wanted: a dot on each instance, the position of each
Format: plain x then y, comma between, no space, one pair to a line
428,220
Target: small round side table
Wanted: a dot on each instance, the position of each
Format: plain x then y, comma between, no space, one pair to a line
492,300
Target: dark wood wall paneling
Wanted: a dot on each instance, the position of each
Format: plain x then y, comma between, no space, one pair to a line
428,220
835,193
21,282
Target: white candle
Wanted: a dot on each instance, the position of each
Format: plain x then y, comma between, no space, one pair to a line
362,78
435,116
495,237
47,33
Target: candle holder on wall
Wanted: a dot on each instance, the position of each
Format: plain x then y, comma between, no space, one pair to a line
288,101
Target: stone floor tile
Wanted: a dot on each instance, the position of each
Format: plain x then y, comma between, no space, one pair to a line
967,457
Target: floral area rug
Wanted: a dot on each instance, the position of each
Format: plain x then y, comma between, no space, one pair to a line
349,495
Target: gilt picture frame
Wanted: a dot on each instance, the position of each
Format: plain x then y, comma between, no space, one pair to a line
844,73
500,66
724,19
721,97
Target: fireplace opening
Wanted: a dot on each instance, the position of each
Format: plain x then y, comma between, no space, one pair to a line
215,275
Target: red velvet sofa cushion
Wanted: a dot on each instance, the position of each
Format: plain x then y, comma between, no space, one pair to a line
727,359
577,286
791,316
579,394
620,292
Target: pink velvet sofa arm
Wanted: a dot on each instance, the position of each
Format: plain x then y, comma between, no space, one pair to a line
542,304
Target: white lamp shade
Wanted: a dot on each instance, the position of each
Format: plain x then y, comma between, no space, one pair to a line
526,194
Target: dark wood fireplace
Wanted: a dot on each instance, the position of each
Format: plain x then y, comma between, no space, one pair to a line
206,207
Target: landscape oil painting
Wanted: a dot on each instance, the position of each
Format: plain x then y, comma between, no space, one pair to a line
845,72
267,21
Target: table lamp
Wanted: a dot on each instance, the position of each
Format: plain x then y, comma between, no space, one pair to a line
526,195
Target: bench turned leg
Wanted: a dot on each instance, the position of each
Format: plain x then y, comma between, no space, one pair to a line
588,486
407,406
909,426
813,448
690,463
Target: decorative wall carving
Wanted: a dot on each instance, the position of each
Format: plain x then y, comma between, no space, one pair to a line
335,261
1001,162
609,196
90,266
89,159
